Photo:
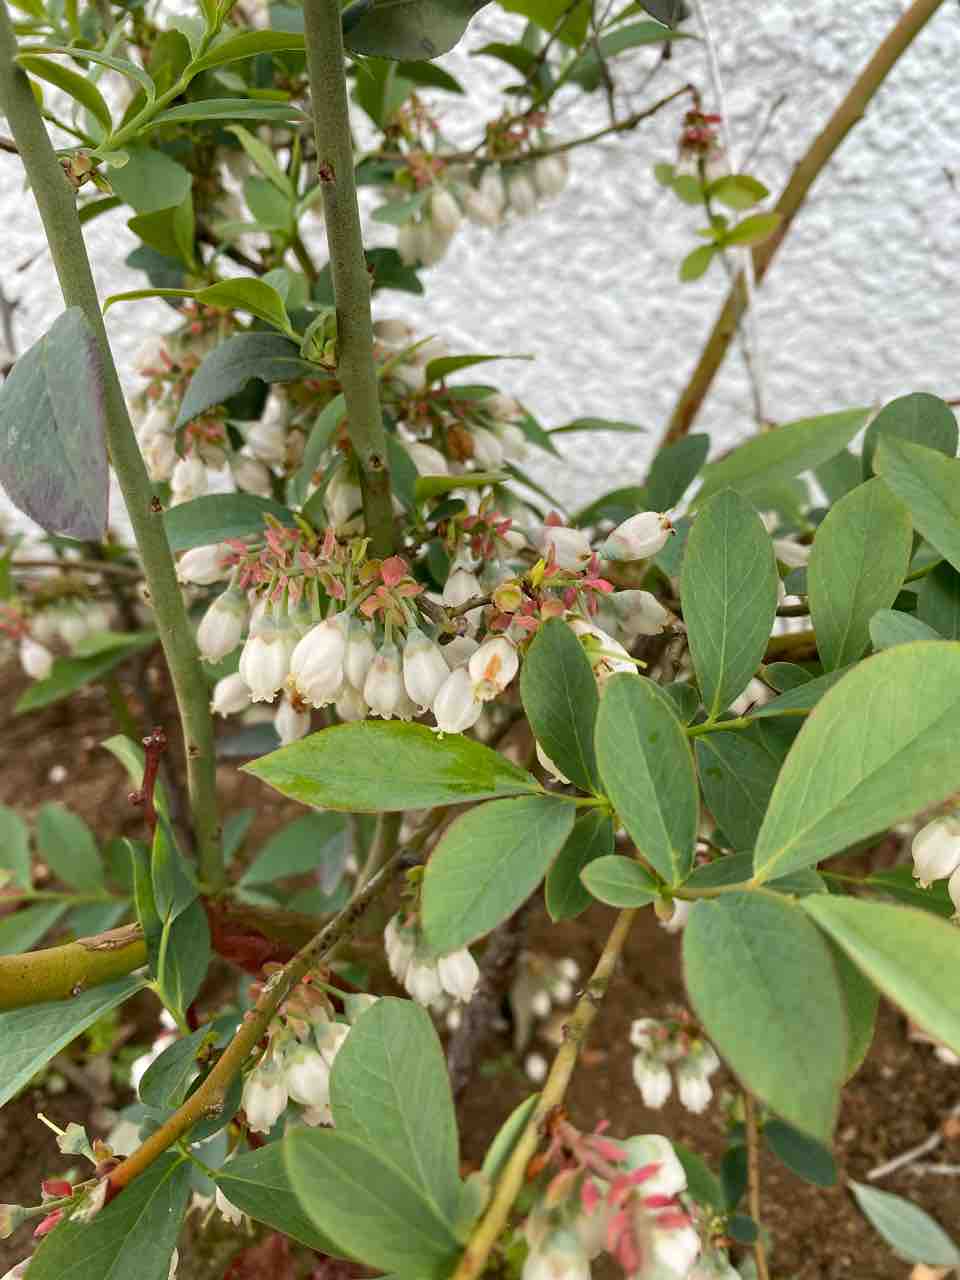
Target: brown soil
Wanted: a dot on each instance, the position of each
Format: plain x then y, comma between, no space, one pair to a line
900,1095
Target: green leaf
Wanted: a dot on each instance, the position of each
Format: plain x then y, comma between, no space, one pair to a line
30,1037
258,1183
738,775
929,485
507,1136
801,1154
271,209
15,846
70,674
616,506
587,70
620,882
166,1081
218,516
673,470
920,418
370,767
174,885
799,700
729,592
647,770
763,984
860,558
184,957
123,65
910,955
737,868
263,157
78,87
782,453
910,1232
248,44
669,12
301,846
597,424
891,732
389,1088
702,1184
569,22
442,367
229,109
230,366
697,263
373,1211
559,694
66,843
322,432
151,180
487,863
590,839
21,930
898,883
737,191
433,486
406,30
938,604
53,455
889,627
753,230
839,474
862,1000
134,1235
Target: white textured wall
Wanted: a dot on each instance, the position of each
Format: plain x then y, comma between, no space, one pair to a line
861,305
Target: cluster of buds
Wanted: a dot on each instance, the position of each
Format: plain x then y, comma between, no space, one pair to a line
936,855
622,1198
662,1045
40,629
303,1041
423,974
699,146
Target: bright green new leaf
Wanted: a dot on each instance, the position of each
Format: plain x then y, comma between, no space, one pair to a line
372,1210
929,485
78,87
240,294
890,730
569,21
218,516
258,1183
737,868
597,424
697,263
30,1037
912,1234
183,958
860,558
123,65
66,844
133,1236
389,1088
379,767
500,1149
780,454
620,882
737,191
729,592
647,770
889,627
486,865
912,956
920,418
229,109
796,702
753,230
248,44
737,773
763,984
559,694
591,838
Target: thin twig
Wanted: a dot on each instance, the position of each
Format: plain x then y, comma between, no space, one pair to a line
753,1181
915,1153
81,566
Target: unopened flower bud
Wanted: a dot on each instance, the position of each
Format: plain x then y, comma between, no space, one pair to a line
936,850
638,538
230,696
202,566
250,475
35,658
383,686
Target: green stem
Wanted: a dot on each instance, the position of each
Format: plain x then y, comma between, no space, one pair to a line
718,726
351,284
57,206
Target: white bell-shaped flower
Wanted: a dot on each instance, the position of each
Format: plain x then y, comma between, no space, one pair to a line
383,686
202,566
559,1256
522,195
350,704
492,667
458,974
550,175
639,614
424,668
188,480
267,439
654,1149
265,660
487,449
428,460
445,213
456,708
462,585
307,1076
638,538
291,725
571,547
400,942
653,1080
936,849
230,696
360,653
264,1097
36,659
250,475
221,628
316,665
342,499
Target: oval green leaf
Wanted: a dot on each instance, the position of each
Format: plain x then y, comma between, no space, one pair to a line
929,485
559,693
647,770
591,838
921,418
371,767
911,1234
890,730
620,882
218,516
737,774
487,863
763,983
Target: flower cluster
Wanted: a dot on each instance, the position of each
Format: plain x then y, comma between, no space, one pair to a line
662,1045
936,855
425,975
622,1198
53,621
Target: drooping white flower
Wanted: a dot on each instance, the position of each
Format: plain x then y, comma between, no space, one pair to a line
936,849
433,243
559,1256
681,914
492,667
267,438
462,585
653,1148
458,651
400,942
423,982
571,547
307,1076
424,668
458,974
359,654
265,659
202,566
73,626
291,725
317,662
230,696
158,420
383,686
35,658
793,554
487,449
264,1096
250,475
638,538
639,614
606,655
456,708
342,499
550,175
350,704
428,460
492,190
675,1249
227,1209
409,243
653,1080
522,195
221,628
693,1077
188,480
160,456
513,440
394,333
444,212
480,210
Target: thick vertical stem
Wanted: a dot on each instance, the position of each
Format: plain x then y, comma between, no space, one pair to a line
57,205
847,115
351,283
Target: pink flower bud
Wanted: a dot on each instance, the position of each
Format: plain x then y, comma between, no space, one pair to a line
638,538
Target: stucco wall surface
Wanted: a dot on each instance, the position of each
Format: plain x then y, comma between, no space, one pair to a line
861,304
